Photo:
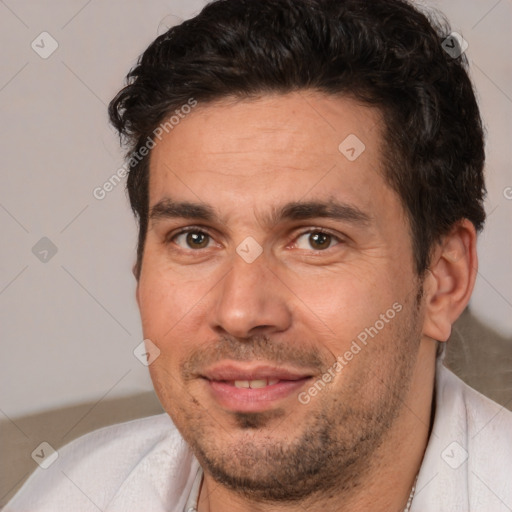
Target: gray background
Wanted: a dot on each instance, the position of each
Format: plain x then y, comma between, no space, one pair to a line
69,321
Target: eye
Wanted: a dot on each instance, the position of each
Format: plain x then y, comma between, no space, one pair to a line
192,239
316,240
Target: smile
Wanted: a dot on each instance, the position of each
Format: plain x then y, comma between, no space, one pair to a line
248,388
253,384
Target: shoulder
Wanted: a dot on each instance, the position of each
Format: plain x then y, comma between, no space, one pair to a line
468,460
111,449
89,471
487,442
486,421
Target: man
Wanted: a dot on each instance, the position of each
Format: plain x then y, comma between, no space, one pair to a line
307,175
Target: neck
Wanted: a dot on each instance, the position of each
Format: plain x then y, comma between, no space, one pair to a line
390,475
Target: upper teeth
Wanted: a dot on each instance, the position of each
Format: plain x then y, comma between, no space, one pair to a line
257,383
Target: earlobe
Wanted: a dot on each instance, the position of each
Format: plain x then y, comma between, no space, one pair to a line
450,280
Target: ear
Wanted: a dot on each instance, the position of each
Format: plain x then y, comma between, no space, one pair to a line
450,280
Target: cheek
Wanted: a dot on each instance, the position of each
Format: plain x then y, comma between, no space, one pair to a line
164,298
173,311
344,302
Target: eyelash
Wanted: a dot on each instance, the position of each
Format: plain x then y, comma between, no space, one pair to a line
196,229
190,229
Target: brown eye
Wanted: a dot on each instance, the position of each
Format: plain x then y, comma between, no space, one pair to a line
197,240
316,240
192,240
320,240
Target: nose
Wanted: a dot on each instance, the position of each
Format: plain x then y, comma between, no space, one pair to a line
251,300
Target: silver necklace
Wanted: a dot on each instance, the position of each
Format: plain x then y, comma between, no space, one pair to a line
411,496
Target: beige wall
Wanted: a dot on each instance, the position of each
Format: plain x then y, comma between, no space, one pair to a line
69,325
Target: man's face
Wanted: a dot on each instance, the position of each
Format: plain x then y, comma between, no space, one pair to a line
287,250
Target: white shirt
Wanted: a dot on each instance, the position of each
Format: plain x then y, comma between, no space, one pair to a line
146,466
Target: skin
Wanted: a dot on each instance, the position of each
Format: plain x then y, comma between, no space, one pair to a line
299,304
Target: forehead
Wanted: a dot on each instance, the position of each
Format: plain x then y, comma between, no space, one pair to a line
250,154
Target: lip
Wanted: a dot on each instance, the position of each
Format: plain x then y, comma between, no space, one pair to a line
219,380
236,371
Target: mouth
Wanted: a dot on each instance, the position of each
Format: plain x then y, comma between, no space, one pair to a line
251,388
253,384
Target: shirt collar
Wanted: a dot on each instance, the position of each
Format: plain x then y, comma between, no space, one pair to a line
193,497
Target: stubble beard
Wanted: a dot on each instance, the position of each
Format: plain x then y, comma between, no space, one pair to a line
338,444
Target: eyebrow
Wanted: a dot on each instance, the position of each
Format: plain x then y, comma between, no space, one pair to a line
297,210
168,209
329,209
